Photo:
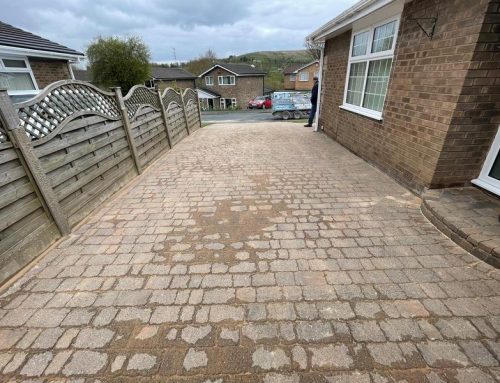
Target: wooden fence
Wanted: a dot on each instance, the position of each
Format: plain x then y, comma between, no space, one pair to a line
70,148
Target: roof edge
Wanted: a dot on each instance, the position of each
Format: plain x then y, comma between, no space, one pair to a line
356,12
7,49
229,70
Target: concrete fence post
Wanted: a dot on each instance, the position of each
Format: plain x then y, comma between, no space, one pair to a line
128,128
31,163
164,116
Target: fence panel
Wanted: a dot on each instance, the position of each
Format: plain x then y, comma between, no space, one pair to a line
192,109
25,228
146,120
84,154
176,118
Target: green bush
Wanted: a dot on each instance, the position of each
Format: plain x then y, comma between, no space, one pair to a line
119,62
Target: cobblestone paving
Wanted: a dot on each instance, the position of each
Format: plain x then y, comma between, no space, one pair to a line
255,253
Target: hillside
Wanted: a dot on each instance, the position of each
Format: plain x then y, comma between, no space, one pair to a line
273,63
272,59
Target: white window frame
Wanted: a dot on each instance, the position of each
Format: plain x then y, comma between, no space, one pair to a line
368,57
306,76
19,70
232,80
209,80
484,180
293,77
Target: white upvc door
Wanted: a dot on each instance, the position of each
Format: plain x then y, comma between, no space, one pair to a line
489,178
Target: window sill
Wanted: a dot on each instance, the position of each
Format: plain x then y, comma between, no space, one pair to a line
487,186
372,115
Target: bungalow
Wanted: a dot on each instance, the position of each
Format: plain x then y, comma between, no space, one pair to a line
28,62
301,76
236,84
414,88
163,77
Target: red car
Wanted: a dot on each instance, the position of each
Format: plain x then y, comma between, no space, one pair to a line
260,102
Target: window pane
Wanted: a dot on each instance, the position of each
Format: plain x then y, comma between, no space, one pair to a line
9,63
376,84
355,84
383,37
359,44
16,81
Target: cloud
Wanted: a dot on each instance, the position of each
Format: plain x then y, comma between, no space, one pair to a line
189,26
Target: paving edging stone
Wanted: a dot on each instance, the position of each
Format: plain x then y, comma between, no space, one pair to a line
480,249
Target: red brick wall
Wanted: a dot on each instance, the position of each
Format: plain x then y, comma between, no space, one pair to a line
48,71
306,85
287,84
426,84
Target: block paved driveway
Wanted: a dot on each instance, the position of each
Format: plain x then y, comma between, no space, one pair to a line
255,253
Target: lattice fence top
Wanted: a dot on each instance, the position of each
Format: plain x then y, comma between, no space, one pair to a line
58,102
139,96
170,95
190,94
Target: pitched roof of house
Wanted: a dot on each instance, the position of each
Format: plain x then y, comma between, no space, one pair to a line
209,91
238,69
292,68
297,67
15,37
163,73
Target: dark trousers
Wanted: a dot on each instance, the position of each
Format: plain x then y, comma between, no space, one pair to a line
312,113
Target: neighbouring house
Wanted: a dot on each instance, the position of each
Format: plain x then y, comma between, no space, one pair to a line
163,77
235,83
414,88
290,76
301,76
28,63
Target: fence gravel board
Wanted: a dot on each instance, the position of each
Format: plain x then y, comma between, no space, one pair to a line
78,154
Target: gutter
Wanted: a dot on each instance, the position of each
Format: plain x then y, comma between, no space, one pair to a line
5,49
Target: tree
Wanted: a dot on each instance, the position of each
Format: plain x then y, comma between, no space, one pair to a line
313,49
119,62
202,63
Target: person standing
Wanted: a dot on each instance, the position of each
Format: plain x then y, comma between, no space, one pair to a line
314,101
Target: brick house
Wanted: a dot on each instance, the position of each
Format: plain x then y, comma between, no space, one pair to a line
235,83
414,88
28,63
301,76
162,78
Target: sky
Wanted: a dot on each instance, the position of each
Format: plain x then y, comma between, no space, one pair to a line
191,27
